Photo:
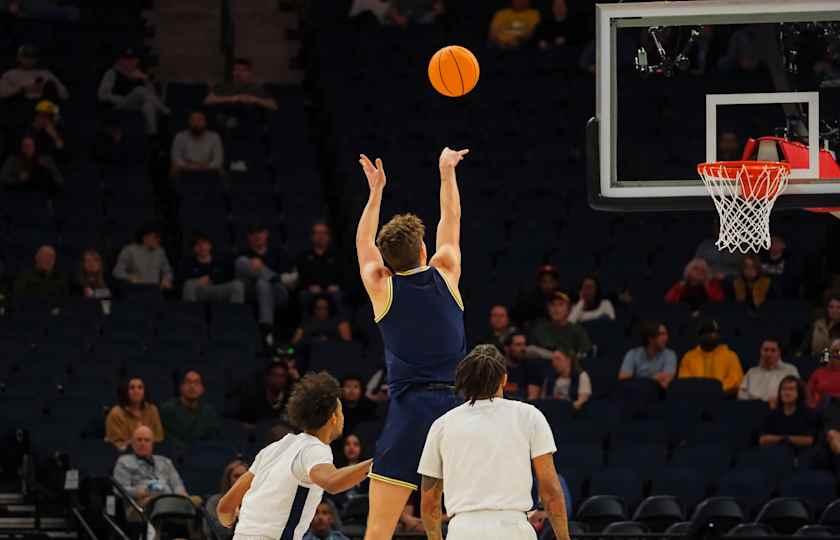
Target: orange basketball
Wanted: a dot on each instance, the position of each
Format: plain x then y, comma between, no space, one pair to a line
453,71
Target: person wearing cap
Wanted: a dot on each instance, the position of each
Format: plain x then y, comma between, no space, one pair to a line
30,82
126,88
144,262
45,131
530,305
558,332
712,359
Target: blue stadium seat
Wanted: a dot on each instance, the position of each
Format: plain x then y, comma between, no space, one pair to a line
710,459
557,411
707,392
749,486
598,511
682,482
831,516
751,530
575,480
581,456
718,513
818,488
659,512
639,432
777,461
622,482
645,458
338,357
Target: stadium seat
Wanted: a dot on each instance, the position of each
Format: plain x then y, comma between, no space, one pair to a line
659,512
831,516
719,513
586,457
338,357
645,458
776,461
619,481
557,411
710,459
817,488
707,392
749,486
813,531
751,529
638,432
599,511
678,530
685,483
785,514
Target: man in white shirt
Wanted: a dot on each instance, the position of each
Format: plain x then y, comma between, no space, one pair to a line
480,455
278,496
762,381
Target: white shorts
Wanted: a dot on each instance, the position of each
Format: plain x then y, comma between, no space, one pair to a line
491,525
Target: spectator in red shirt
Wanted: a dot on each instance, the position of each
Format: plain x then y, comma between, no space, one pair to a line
697,286
825,381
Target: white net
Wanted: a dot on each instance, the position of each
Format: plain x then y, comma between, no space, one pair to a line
744,194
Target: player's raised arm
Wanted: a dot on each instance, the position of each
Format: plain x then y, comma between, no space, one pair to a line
448,243
334,480
231,501
371,265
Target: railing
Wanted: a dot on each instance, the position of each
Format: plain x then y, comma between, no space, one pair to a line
83,522
228,36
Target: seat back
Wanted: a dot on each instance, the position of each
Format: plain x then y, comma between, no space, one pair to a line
722,513
785,514
659,512
815,530
751,529
600,510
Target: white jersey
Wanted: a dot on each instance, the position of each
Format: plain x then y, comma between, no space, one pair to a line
282,500
483,452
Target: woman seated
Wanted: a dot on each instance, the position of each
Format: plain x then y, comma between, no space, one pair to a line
569,381
824,329
27,170
751,287
350,454
792,422
323,325
133,409
590,305
231,474
90,281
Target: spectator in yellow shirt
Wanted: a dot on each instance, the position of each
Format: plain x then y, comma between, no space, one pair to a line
712,359
512,27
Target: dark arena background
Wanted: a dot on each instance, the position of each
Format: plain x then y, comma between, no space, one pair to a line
180,192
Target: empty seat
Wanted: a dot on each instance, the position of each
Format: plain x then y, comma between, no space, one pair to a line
574,479
785,514
831,516
556,411
678,530
749,486
586,457
718,513
707,392
818,488
600,510
685,483
625,528
659,512
751,529
645,458
776,461
639,432
340,358
815,530
622,482
710,459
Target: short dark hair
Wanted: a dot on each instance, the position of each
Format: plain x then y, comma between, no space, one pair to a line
243,62
256,228
352,377
800,390
150,227
199,236
480,373
649,330
314,400
182,375
122,391
773,339
509,338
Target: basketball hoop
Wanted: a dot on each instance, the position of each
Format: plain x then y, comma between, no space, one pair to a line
744,193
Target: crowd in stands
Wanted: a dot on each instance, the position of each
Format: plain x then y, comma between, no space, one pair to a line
573,338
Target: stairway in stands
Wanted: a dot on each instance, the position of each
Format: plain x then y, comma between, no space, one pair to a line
21,520
188,40
266,31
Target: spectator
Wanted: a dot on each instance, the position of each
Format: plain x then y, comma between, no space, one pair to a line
697,286
233,471
207,278
90,281
134,408
268,400
42,10
825,328
144,262
356,406
791,421
653,359
43,282
242,91
376,389
325,524
524,378
568,381
722,264
780,266
751,287
319,268
762,381
268,272
144,474
554,30
500,327
729,147
404,12
197,149
28,170
514,26
590,305
712,359
27,83
126,88
44,130
825,381
323,324
558,332
531,305
350,454
188,418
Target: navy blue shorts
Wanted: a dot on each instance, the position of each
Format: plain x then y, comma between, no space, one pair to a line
410,416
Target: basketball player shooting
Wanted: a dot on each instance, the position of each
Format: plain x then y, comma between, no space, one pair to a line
420,313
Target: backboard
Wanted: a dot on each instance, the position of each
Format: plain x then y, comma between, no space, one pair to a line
681,83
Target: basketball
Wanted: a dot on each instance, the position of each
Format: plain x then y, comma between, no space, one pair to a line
453,71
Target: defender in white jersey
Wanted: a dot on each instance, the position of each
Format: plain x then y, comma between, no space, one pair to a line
277,498
479,456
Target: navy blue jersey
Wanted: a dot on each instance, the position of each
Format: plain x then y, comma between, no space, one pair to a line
422,329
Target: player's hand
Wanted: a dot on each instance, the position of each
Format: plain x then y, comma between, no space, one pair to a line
450,158
375,175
